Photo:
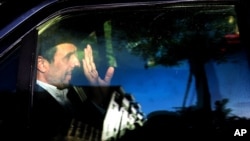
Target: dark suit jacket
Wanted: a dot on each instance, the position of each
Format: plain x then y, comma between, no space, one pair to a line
49,118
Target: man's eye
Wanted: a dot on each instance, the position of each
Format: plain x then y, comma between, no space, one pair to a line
67,57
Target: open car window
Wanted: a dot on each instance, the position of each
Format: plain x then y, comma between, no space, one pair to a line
169,57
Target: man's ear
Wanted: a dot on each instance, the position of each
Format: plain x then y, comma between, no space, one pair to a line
42,64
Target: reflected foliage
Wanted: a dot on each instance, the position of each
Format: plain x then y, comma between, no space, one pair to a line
197,35
167,39
191,123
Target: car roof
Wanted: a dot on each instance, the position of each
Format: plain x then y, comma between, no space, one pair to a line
12,9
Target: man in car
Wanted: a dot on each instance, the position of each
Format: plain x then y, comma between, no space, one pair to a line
55,102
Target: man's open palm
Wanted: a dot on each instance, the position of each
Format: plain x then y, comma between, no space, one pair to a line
90,71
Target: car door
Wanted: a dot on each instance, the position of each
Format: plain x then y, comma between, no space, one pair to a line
182,61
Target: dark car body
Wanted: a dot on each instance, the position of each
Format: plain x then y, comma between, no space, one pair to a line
142,39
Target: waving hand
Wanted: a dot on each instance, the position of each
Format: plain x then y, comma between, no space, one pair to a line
90,71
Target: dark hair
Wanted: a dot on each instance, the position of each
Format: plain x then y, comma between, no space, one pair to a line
51,37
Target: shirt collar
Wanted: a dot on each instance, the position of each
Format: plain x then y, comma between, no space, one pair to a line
59,95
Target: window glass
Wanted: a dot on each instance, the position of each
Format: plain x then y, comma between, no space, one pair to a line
8,82
9,70
167,58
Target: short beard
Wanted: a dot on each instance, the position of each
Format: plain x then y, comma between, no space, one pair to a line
62,86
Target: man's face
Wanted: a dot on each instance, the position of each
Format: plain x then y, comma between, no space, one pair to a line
60,70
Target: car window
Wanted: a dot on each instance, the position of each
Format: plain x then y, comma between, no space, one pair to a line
9,65
168,58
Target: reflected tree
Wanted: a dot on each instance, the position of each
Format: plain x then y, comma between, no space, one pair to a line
168,38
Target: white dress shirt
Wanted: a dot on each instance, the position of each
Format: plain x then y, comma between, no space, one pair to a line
59,95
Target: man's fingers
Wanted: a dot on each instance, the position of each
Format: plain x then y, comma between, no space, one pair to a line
90,71
88,59
109,74
90,53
